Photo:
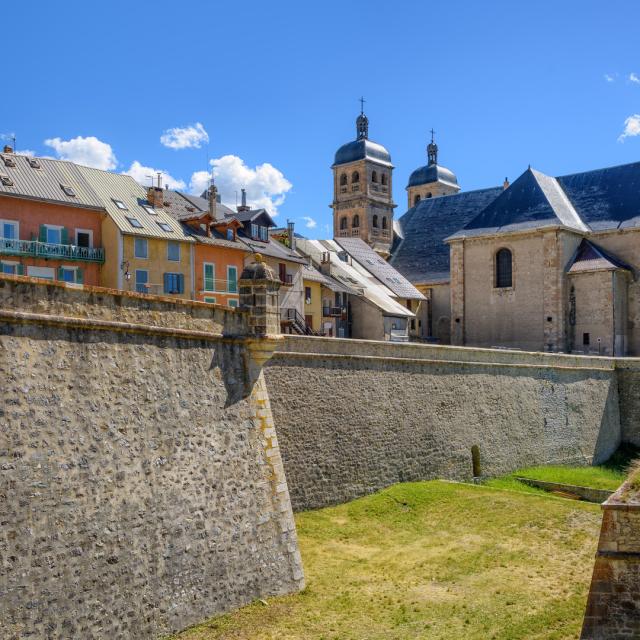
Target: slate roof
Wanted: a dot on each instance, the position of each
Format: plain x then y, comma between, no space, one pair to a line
274,249
433,173
361,149
591,257
419,252
45,183
309,272
533,201
380,268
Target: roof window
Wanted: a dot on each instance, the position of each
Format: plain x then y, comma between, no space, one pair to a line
134,222
34,163
164,226
9,161
121,205
150,210
6,180
68,190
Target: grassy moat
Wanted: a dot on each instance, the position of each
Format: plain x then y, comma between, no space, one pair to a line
432,560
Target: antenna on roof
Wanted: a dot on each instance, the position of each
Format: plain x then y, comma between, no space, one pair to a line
150,178
159,174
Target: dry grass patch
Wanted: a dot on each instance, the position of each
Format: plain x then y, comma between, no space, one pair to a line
434,560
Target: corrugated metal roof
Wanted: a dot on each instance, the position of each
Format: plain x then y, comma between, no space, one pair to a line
273,249
380,268
117,186
310,273
46,182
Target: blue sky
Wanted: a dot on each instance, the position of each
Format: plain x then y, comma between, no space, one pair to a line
504,84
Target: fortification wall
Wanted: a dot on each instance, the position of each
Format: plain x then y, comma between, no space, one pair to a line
355,416
141,484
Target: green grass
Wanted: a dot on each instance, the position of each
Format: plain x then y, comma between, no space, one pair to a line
432,560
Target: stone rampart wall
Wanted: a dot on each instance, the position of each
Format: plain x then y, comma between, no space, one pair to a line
355,416
141,484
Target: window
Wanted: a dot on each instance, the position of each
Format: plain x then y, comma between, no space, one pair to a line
416,200
375,221
586,339
209,276
9,161
232,279
343,223
383,178
307,295
11,268
84,238
9,229
54,235
47,273
429,195
210,300
231,235
141,248
343,180
134,222
34,163
68,190
374,177
6,180
384,222
142,280
503,269
264,234
355,177
164,226
70,274
173,283
150,210
356,221
121,205
232,302
254,231
173,251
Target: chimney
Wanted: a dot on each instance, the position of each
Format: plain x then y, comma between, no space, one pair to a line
291,235
7,149
213,199
155,197
243,206
505,185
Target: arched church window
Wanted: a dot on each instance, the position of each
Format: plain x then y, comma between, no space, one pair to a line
383,178
504,270
343,223
356,221
355,177
384,222
416,200
343,179
375,222
429,195
374,177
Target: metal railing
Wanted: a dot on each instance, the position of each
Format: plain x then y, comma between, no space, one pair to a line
49,250
220,286
288,279
331,312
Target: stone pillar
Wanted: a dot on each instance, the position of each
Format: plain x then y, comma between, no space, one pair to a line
553,294
457,292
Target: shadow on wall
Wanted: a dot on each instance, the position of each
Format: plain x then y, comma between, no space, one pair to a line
238,376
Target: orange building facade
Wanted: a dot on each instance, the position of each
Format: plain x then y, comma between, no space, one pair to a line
52,241
217,270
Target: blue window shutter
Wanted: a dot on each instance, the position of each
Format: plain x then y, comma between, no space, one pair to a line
79,276
167,283
181,283
43,233
64,236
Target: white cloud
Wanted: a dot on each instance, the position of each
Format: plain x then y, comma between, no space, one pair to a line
631,127
265,185
89,151
634,78
27,152
608,77
309,222
189,137
141,174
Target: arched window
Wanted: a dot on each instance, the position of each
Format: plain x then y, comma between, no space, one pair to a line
429,195
374,177
383,178
343,179
375,221
504,269
416,200
355,177
384,222
343,223
356,221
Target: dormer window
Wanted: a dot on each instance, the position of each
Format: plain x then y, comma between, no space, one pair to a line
34,163
9,161
121,205
6,180
230,235
68,190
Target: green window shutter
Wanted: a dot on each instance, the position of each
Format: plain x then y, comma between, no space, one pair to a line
19,270
79,276
43,233
60,273
64,236
209,277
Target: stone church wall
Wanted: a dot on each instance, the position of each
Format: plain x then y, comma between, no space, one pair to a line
355,416
141,484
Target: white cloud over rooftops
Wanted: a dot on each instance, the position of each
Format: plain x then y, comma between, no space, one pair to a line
88,151
148,175
190,137
309,222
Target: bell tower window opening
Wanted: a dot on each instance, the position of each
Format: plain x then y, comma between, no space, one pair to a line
375,222
343,180
504,269
343,223
374,177
355,177
416,200
384,222
383,179
356,221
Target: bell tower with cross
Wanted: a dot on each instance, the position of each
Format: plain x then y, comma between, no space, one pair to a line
362,190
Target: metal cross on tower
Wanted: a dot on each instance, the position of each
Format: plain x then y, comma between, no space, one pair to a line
362,101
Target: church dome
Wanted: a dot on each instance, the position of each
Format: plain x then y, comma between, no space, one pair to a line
362,149
432,173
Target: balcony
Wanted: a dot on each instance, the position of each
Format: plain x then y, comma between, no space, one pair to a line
36,249
331,312
286,279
